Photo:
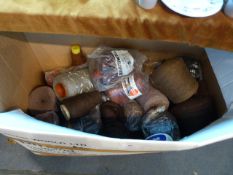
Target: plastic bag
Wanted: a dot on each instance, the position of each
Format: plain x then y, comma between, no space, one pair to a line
71,83
129,88
51,75
152,98
108,65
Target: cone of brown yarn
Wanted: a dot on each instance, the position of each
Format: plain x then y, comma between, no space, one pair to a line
174,80
112,118
194,114
80,105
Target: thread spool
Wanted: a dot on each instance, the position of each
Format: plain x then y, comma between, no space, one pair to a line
194,114
112,118
41,100
173,79
133,113
49,117
111,111
71,83
80,105
157,125
152,98
77,56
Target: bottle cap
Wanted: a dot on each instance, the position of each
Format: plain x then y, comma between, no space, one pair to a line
65,112
75,49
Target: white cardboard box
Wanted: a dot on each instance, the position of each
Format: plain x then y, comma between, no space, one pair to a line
24,56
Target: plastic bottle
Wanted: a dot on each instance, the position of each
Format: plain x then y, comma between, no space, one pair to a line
77,57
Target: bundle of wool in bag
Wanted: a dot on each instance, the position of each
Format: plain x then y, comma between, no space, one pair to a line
108,65
152,98
71,83
129,88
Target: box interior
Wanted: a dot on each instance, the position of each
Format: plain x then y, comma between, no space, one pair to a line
25,56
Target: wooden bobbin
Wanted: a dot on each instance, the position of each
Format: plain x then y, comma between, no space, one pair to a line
41,100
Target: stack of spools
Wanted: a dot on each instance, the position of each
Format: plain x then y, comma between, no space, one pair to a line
72,100
178,81
112,96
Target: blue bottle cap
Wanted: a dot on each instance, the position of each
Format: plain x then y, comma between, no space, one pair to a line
160,137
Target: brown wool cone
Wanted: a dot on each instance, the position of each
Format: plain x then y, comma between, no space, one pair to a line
80,105
41,100
111,111
112,118
194,114
174,80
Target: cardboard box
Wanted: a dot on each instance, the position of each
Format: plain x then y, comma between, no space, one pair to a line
23,58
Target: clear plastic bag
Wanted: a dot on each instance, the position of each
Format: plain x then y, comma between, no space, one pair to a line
108,65
51,75
129,88
71,83
152,98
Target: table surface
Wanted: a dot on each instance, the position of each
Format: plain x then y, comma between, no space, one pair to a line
122,19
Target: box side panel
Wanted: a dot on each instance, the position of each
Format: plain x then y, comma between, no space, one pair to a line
19,70
222,63
45,138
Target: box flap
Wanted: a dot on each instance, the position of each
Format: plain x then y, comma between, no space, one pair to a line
41,138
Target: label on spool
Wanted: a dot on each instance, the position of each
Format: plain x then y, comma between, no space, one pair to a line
160,137
124,62
130,88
